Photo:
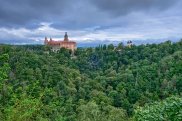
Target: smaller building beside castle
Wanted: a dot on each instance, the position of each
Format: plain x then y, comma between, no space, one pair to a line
129,43
57,45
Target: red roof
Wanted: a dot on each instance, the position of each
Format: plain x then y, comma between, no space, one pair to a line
52,42
67,42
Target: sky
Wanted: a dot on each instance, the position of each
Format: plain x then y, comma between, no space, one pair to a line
90,22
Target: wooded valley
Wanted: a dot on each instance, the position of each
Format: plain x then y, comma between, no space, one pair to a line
105,83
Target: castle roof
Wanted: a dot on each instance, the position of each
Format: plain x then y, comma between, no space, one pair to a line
53,42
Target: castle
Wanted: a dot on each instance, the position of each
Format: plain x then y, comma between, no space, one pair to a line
57,45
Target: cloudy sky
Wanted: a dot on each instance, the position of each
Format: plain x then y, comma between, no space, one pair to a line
90,21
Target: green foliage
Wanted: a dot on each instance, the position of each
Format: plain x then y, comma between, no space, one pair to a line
4,67
24,109
103,83
169,109
92,112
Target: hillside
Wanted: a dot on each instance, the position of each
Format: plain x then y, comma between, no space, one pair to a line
105,83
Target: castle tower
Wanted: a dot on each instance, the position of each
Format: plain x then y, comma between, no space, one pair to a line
66,37
46,41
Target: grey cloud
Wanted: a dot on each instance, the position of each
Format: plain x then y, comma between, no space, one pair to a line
123,7
72,14
22,12
92,19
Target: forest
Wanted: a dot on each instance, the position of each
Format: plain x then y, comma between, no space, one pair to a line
103,83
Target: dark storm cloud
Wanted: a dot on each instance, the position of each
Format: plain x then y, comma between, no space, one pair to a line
28,21
21,12
123,7
78,13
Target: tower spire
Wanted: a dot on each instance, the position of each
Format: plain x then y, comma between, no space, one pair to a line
46,41
66,37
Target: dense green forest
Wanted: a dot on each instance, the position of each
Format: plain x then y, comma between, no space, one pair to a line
105,83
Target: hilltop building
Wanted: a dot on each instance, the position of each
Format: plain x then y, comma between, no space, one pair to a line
129,43
57,45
